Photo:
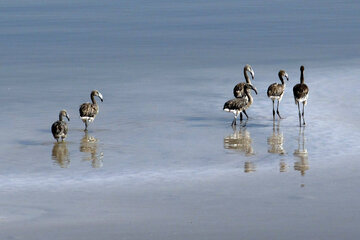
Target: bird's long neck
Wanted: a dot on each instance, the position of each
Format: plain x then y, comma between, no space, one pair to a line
281,79
302,77
246,76
60,117
93,99
247,92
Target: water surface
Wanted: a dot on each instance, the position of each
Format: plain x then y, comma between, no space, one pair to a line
161,160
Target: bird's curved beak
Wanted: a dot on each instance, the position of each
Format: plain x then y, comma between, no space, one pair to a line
287,76
101,97
68,117
254,88
252,74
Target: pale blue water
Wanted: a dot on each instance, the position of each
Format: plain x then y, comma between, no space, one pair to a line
161,160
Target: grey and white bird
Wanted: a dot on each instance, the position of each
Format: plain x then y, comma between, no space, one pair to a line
88,111
276,92
239,88
59,128
301,93
238,105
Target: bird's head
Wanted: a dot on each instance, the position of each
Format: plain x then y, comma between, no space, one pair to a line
282,73
250,70
63,113
97,94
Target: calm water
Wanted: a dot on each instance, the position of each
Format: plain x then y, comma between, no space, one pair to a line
161,160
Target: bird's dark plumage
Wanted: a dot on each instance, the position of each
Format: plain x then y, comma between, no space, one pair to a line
276,91
59,128
238,105
88,111
301,92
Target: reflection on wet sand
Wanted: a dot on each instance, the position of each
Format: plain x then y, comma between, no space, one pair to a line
301,154
239,141
60,154
249,167
276,141
89,144
283,166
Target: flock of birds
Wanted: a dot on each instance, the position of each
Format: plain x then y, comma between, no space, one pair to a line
243,99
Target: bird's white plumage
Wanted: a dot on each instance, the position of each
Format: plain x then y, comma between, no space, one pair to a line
88,119
303,99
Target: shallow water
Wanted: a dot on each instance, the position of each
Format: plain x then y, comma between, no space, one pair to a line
161,160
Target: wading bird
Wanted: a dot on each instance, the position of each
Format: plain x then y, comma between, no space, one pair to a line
276,92
239,88
238,105
88,111
301,92
59,128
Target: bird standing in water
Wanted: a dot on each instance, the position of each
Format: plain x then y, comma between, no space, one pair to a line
59,128
88,111
301,92
276,92
239,90
238,105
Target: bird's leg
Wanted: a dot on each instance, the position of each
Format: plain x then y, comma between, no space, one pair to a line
247,117
299,113
244,125
273,109
277,110
303,112
57,140
234,121
86,125
241,117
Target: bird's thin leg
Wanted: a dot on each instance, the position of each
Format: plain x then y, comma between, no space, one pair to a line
244,125
86,125
299,113
273,109
303,112
57,140
234,121
247,117
277,110
241,117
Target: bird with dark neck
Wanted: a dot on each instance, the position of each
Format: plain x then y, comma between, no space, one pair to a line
238,90
301,92
238,105
59,128
276,92
88,111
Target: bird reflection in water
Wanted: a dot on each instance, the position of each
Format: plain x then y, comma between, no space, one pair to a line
276,145
240,141
301,153
60,154
89,144
276,140
249,167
